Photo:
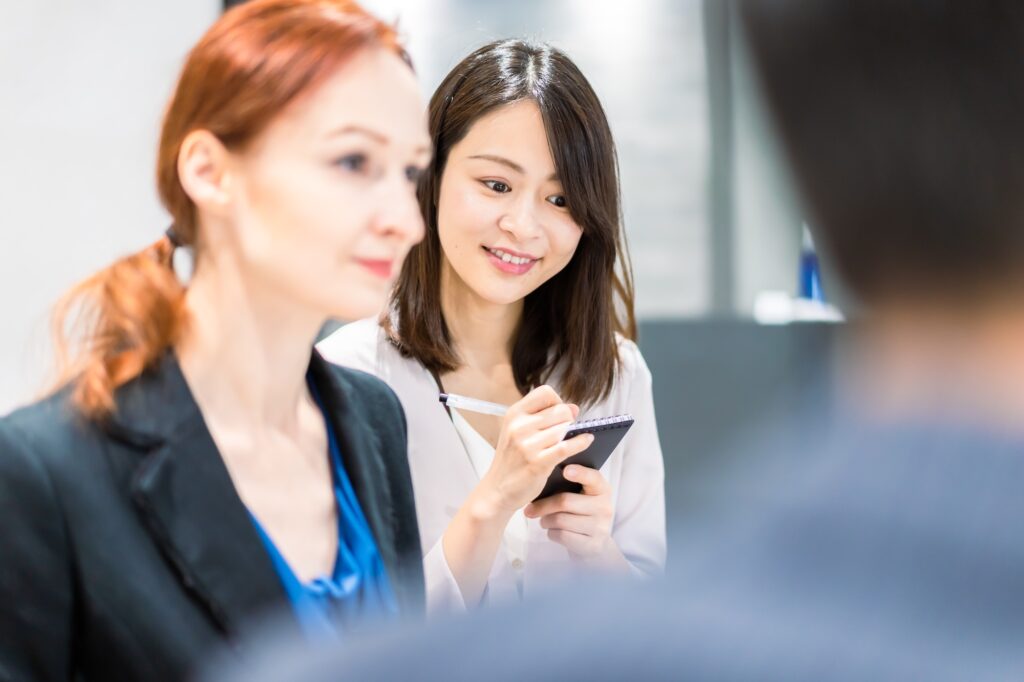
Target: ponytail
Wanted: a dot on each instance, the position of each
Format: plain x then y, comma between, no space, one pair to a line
113,325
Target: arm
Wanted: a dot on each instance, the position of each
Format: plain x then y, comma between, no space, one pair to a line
529,448
472,539
443,593
35,580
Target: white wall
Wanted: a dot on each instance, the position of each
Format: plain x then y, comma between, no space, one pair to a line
82,88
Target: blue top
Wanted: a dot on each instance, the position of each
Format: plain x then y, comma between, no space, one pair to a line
358,587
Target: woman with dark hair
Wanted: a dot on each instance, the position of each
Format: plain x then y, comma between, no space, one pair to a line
521,294
200,463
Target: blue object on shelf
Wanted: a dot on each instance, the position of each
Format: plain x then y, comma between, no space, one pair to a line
810,273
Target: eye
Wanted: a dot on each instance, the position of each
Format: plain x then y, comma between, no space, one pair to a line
352,162
498,186
557,200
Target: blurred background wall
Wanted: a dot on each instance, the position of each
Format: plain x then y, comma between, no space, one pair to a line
83,85
710,219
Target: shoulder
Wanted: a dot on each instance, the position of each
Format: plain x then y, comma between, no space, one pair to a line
366,392
357,344
364,346
632,366
47,427
37,443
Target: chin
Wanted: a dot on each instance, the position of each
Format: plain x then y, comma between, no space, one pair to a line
502,295
356,303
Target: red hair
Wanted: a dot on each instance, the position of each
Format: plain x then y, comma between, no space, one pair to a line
254,61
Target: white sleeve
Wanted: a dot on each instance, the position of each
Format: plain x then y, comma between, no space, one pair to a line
443,593
639,527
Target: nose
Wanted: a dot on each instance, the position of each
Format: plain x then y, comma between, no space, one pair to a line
520,222
399,216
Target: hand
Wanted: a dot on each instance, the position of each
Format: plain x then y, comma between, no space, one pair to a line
581,522
530,445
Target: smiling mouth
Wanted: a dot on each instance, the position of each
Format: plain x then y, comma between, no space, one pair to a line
508,263
506,257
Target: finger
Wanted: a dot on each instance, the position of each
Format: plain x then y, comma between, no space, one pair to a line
573,503
591,479
575,411
577,523
562,413
536,400
543,441
558,452
574,542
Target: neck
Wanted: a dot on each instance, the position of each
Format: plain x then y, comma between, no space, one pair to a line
481,330
966,364
246,348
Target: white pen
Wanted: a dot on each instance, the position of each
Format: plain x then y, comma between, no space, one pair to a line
461,402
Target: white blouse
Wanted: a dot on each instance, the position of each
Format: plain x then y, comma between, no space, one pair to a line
517,533
447,458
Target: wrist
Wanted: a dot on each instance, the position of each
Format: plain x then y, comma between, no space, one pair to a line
609,558
485,506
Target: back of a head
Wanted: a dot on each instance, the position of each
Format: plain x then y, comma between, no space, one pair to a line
902,122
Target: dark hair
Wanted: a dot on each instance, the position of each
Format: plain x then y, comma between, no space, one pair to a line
248,67
904,124
570,321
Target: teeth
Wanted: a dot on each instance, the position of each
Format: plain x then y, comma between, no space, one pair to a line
509,258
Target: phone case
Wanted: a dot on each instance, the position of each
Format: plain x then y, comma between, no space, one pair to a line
608,431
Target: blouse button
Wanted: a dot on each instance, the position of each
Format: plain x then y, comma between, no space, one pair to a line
517,564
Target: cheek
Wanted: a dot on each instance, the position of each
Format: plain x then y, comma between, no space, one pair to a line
298,228
563,238
302,214
464,218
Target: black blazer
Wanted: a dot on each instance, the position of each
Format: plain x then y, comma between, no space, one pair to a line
125,551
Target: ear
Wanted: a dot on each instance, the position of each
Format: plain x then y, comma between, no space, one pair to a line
203,170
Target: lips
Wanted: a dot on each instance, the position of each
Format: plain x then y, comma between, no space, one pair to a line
510,256
378,267
510,262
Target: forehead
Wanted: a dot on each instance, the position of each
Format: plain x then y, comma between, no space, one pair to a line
515,131
374,89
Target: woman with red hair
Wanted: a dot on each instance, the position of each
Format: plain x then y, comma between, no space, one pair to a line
200,463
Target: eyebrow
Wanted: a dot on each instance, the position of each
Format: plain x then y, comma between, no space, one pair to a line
359,130
508,163
373,134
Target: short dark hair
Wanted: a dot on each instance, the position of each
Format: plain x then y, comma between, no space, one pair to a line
904,124
570,321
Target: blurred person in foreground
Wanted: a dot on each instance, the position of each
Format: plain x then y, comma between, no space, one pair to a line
201,463
874,535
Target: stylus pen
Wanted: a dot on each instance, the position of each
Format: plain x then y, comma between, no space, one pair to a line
461,402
